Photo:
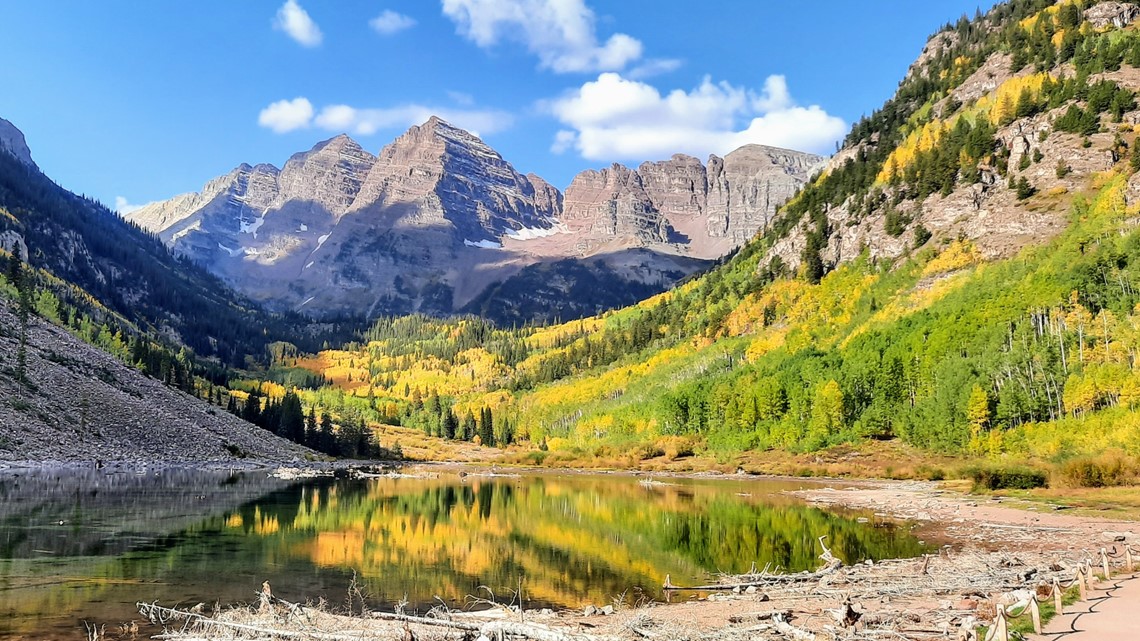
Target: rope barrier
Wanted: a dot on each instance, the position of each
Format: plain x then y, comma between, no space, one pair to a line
1082,578
1030,607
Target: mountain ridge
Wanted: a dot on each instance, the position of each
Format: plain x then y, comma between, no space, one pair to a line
447,219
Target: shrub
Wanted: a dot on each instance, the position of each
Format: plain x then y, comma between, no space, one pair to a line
1008,478
896,222
921,235
1102,471
646,451
930,473
676,447
1024,188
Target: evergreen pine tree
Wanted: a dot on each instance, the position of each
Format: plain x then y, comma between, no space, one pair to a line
311,428
487,428
326,440
291,419
251,411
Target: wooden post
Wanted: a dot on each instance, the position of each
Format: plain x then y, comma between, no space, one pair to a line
1128,557
1035,612
1089,574
1058,605
1081,583
1104,562
999,631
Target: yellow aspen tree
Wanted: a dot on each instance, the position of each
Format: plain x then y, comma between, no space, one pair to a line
978,417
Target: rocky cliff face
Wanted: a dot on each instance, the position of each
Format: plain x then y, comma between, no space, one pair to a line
612,204
1112,14
12,141
701,211
437,217
452,178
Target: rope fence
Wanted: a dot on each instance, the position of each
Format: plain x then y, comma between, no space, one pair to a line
1031,606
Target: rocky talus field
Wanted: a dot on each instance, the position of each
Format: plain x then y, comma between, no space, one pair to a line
81,404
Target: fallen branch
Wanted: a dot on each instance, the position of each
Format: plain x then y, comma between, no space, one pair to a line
763,581
787,629
503,629
760,616
440,623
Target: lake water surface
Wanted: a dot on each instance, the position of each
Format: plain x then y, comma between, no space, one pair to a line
85,546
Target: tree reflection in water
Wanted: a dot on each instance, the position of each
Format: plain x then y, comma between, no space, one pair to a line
569,539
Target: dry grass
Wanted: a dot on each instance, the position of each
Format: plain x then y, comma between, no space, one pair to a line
1107,502
1110,469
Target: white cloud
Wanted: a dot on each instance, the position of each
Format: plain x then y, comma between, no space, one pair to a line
563,140
367,121
775,96
124,207
617,118
654,67
561,33
389,22
297,24
286,115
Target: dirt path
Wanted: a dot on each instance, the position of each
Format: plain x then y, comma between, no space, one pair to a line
1109,615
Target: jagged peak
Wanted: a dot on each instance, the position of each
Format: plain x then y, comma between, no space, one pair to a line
337,143
452,136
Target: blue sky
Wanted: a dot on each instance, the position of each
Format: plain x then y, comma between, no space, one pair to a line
139,101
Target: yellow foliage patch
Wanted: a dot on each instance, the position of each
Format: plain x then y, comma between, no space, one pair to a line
919,141
1001,102
960,254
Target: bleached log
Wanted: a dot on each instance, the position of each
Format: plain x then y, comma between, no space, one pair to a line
787,629
440,623
503,629
765,580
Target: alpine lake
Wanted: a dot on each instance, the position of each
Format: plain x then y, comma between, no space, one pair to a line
82,546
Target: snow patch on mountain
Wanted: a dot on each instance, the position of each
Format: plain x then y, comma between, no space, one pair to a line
483,244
